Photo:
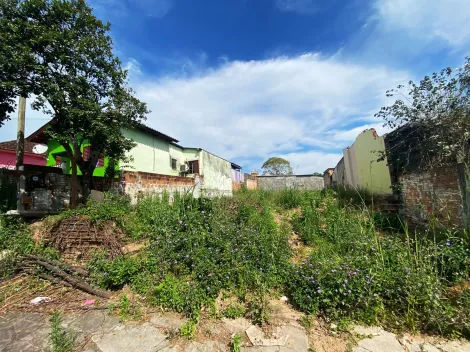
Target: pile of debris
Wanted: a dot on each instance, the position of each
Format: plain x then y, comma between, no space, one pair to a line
78,238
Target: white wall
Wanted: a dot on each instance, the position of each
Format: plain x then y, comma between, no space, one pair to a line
217,175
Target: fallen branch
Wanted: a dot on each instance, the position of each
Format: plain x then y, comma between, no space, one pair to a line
73,281
67,268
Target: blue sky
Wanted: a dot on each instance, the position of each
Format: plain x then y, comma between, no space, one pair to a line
250,79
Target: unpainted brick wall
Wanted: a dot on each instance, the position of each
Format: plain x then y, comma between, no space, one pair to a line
435,194
137,184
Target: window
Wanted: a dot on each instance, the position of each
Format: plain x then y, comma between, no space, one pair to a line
174,164
87,156
193,167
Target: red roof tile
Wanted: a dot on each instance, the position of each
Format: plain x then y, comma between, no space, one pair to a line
28,146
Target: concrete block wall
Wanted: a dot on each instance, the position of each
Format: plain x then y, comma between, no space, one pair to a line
439,193
306,182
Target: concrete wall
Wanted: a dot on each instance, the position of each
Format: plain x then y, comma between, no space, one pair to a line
339,174
361,165
328,178
216,174
440,194
250,181
299,182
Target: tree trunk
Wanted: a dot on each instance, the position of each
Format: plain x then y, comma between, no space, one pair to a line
87,179
74,195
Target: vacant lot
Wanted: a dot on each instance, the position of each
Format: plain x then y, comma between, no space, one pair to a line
333,258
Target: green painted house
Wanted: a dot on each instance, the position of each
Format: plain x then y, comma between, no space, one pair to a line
154,153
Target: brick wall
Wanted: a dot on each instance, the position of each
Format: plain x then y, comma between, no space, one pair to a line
137,184
436,194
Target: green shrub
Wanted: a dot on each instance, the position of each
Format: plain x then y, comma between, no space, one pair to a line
14,236
113,274
60,339
234,310
356,272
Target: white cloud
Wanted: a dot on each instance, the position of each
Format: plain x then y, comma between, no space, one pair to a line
311,161
155,8
298,6
428,19
350,135
283,106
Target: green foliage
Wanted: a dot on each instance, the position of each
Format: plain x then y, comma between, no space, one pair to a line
60,339
359,267
14,236
358,273
188,329
235,345
116,208
276,166
127,310
8,190
60,53
351,196
115,273
234,310
259,310
437,103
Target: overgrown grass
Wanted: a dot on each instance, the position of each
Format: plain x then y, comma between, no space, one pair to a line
199,247
61,340
400,280
362,266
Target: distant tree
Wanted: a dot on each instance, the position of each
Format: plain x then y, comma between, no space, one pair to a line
438,111
318,174
276,166
63,56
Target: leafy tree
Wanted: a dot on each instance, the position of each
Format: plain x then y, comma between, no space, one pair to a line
318,174
66,61
276,166
437,111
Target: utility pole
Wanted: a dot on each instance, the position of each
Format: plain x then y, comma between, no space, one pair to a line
20,152
20,134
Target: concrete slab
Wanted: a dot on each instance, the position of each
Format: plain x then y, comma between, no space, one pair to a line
27,332
454,346
426,347
167,322
239,325
386,342
141,338
209,346
367,330
297,339
257,338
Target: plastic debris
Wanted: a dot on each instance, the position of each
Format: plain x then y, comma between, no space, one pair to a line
89,302
39,300
284,299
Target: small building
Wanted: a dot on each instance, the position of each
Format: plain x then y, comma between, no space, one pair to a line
157,163
328,177
237,177
34,154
